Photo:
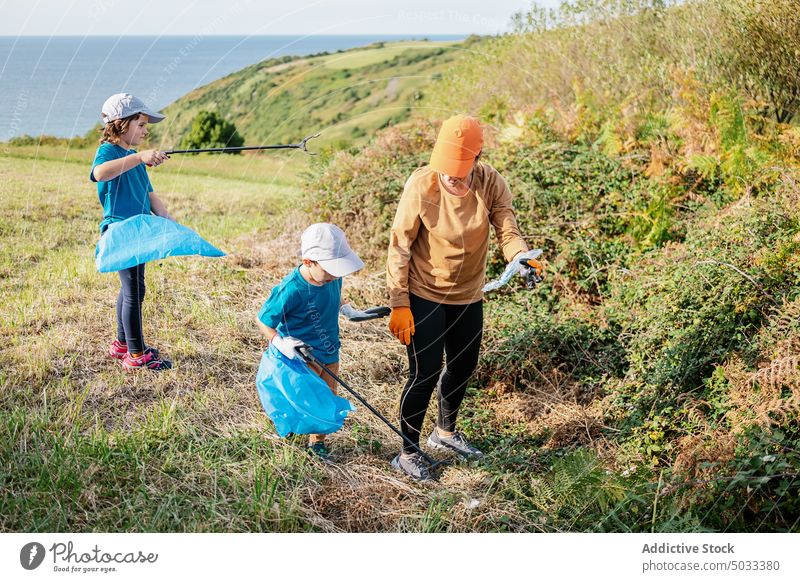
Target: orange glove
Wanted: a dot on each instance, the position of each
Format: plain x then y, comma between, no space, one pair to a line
401,324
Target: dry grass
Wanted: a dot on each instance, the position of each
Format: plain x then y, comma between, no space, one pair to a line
553,406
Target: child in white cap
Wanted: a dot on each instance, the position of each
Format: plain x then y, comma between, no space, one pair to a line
125,191
303,308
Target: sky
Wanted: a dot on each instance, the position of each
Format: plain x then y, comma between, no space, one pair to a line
257,17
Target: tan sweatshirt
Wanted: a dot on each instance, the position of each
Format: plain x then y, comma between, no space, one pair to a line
439,241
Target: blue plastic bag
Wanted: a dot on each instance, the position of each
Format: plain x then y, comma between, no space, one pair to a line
296,399
145,238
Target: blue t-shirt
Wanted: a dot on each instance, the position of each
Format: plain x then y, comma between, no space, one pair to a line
308,312
126,195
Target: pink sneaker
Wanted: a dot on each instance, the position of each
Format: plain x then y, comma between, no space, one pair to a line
147,361
117,350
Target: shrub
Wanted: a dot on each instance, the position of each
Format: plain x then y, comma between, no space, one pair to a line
209,130
589,211
697,302
360,189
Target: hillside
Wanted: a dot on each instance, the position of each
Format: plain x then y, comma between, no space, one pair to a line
652,382
346,95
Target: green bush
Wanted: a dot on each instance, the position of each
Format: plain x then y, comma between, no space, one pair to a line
360,189
209,130
687,307
580,205
528,334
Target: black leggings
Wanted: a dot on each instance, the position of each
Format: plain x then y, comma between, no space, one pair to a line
129,308
450,330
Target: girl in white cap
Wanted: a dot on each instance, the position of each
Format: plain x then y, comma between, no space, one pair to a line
125,191
303,309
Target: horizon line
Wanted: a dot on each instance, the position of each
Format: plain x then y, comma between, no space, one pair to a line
425,34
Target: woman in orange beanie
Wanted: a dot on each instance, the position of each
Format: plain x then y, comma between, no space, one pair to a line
435,272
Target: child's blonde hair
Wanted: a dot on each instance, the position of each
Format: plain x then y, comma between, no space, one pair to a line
114,129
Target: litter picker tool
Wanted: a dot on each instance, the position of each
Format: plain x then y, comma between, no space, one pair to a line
308,356
525,263
531,274
301,145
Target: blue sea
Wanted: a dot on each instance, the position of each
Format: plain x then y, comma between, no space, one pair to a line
57,85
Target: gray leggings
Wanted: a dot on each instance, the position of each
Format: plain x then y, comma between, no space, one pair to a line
129,308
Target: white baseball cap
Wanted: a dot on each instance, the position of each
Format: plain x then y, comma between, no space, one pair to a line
124,105
326,244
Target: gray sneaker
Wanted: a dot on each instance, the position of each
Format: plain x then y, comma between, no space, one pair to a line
413,465
456,443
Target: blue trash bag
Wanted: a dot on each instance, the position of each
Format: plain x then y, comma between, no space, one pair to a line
296,399
145,238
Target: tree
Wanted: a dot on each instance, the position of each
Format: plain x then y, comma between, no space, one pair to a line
209,130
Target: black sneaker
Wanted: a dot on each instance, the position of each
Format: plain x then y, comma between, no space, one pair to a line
413,465
456,443
321,450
